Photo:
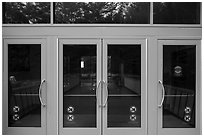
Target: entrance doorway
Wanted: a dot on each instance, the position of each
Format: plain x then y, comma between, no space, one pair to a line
102,86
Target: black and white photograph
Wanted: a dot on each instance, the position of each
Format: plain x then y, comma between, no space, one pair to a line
101,68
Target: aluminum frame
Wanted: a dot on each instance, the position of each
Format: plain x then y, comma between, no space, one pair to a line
81,130
23,130
130,130
52,35
182,131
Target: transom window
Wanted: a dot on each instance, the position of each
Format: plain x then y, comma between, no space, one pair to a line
101,13
26,12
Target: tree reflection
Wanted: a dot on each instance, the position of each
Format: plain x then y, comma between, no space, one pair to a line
77,12
102,12
26,12
177,12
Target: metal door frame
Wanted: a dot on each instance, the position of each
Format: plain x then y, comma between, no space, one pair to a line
23,130
186,131
132,130
72,130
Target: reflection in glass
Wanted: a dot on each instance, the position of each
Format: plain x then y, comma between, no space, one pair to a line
79,85
83,112
179,78
176,12
24,76
120,114
124,85
26,12
102,12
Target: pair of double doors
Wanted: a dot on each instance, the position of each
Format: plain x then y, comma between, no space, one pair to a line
102,86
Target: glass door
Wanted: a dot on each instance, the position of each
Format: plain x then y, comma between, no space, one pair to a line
179,89
24,86
79,86
124,86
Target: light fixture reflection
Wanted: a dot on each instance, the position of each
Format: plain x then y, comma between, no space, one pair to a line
82,64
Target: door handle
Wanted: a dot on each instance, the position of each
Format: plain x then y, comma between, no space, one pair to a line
40,93
106,85
97,90
163,94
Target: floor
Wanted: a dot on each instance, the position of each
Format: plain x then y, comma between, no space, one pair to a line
32,119
83,99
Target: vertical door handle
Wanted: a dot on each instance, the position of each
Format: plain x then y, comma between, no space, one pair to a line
40,93
97,90
163,94
106,85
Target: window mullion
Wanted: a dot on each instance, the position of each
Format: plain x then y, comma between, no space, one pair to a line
51,13
151,13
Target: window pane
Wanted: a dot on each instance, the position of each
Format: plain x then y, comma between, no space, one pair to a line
179,78
124,86
26,12
176,12
79,86
24,76
102,12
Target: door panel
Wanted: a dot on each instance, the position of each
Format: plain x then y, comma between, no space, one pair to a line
80,88
124,111
124,90
124,86
79,85
24,70
180,87
24,73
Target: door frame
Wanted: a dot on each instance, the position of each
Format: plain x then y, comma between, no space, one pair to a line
132,130
182,131
23,130
73,130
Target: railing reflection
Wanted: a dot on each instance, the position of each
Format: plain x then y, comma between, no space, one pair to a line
177,101
23,100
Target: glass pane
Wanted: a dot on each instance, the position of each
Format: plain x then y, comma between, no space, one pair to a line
26,12
179,78
124,85
102,12
79,85
176,12
24,76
